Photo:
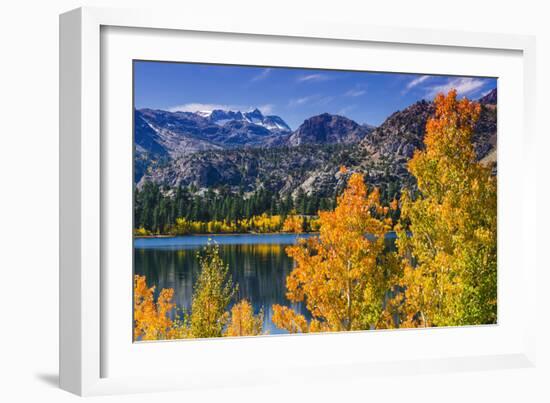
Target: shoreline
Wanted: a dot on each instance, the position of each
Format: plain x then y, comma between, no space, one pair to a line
389,235
223,234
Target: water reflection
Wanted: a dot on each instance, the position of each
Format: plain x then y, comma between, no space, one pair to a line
258,263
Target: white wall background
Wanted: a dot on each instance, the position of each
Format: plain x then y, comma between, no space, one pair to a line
29,201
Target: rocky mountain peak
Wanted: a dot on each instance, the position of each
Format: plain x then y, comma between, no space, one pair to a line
490,98
218,115
255,113
326,128
403,131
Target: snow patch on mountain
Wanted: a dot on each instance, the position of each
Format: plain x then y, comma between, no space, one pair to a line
271,122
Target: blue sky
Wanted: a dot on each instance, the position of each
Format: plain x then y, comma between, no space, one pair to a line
293,94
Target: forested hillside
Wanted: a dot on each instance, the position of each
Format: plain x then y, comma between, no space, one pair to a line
229,167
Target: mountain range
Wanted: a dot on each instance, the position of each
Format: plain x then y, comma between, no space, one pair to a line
271,122
248,151
163,135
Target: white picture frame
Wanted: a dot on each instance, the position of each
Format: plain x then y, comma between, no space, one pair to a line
87,329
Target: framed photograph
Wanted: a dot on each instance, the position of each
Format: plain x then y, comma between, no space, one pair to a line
336,198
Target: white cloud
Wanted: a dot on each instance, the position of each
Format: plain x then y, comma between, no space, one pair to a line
303,100
463,86
200,107
413,83
266,109
355,92
310,99
312,77
485,93
262,75
197,106
346,109
324,100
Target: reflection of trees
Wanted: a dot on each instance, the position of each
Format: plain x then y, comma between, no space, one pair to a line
259,269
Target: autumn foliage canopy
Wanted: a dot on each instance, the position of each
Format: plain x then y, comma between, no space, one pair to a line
341,276
442,270
450,255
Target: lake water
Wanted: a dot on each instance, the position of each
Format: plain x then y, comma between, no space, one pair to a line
258,263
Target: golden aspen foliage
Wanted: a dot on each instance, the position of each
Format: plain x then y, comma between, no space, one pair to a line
314,224
286,318
294,224
243,321
293,322
342,276
263,223
141,232
212,294
151,319
448,231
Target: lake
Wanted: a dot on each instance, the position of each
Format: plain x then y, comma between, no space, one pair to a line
257,262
